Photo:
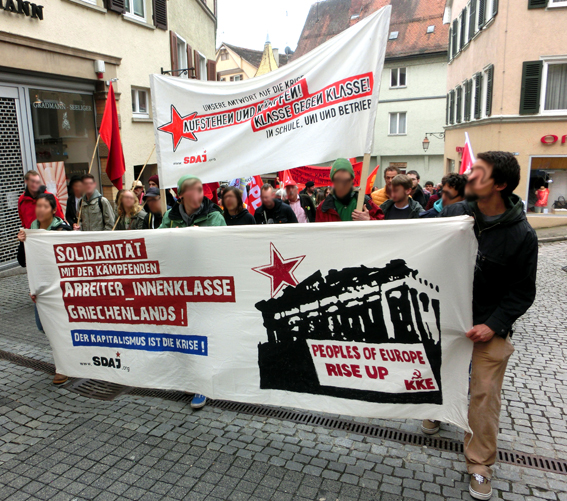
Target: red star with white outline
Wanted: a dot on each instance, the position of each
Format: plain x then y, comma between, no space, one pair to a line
280,270
175,127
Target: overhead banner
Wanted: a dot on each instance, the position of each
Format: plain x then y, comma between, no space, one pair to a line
313,110
374,328
321,176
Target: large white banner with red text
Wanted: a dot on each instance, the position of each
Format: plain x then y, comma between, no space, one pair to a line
348,318
315,109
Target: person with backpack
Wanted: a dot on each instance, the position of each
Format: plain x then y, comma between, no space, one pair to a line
46,208
95,210
75,194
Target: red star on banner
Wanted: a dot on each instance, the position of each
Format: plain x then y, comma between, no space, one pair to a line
175,127
117,353
280,270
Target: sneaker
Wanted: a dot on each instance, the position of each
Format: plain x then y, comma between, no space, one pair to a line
60,379
198,401
480,487
430,427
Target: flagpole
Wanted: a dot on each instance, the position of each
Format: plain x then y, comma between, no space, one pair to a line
363,180
90,168
142,171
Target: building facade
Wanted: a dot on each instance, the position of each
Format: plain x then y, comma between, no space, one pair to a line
57,61
412,92
507,87
237,63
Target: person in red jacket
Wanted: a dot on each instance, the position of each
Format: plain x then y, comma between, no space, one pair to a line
340,204
28,199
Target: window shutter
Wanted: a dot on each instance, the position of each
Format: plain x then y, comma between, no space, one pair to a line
477,95
115,5
467,116
455,40
459,104
189,61
160,14
531,87
197,65
447,106
472,19
537,4
463,31
494,7
173,49
452,107
481,13
449,44
489,85
211,70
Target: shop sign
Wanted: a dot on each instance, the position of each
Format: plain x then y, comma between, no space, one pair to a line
23,7
552,139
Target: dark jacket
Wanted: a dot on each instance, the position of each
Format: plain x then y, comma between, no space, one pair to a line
308,206
242,218
57,225
152,221
209,214
136,223
327,212
505,274
415,208
281,213
420,197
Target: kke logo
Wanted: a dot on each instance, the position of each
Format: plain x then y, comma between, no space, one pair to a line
417,383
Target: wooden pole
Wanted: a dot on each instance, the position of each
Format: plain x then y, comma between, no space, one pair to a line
90,168
162,200
363,179
116,223
142,171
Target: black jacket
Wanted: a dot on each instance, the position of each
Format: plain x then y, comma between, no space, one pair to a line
420,197
415,208
281,213
152,221
22,250
242,218
308,206
505,274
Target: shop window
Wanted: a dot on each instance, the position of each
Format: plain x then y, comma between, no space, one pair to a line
140,103
398,124
64,137
555,87
397,77
135,8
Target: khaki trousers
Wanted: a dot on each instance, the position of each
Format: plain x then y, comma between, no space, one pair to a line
489,362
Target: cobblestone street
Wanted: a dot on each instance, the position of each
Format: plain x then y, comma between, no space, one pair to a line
56,444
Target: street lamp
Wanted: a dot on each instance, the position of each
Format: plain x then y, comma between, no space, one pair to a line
438,135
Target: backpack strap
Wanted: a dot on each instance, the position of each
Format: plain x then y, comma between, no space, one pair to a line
101,211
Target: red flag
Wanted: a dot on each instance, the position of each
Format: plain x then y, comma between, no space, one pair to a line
370,180
210,191
253,201
285,177
467,159
110,133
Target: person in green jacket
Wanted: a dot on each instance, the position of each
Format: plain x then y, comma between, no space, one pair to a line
192,208
130,215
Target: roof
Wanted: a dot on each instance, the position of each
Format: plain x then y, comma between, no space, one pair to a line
410,18
268,62
254,57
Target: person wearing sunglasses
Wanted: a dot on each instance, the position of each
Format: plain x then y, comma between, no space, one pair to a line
453,191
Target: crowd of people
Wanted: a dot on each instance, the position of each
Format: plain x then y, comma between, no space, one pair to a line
504,278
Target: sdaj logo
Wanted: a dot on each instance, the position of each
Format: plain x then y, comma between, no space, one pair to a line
114,363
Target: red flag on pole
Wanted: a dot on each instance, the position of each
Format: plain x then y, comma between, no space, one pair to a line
370,180
110,133
467,159
253,201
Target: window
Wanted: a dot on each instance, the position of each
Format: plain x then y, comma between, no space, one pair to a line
431,29
224,55
236,78
557,3
398,77
398,124
201,64
555,78
134,8
140,103
393,35
181,57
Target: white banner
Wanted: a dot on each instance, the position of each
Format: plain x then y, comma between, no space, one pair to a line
362,318
318,108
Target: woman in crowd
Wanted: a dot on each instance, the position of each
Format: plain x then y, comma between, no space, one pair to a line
75,194
45,210
192,208
130,214
234,212
320,198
